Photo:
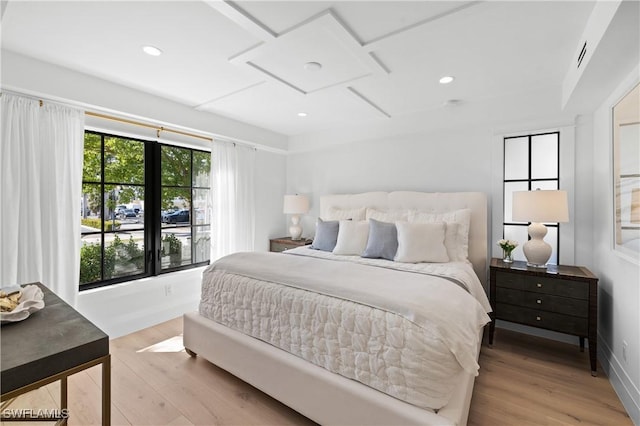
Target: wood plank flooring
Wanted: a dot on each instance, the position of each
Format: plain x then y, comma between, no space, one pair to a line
523,380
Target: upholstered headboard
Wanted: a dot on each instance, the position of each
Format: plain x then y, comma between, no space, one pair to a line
433,202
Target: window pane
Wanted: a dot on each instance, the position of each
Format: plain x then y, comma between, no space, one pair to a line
112,205
176,206
200,206
552,239
516,158
509,188
544,184
124,254
90,258
129,209
90,206
201,169
91,168
123,160
202,243
544,156
517,233
176,166
176,247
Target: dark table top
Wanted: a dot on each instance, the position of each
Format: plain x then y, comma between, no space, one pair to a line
550,270
52,340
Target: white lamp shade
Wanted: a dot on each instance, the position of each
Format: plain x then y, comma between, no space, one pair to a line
540,206
296,204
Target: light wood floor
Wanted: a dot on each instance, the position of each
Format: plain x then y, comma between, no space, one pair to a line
523,381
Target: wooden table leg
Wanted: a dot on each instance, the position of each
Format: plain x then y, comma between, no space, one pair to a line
106,391
64,404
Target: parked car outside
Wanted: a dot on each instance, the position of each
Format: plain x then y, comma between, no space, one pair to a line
180,216
127,213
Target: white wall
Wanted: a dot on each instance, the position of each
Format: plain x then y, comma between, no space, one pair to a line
451,160
619,291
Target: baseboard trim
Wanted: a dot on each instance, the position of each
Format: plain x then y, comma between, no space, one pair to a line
620,381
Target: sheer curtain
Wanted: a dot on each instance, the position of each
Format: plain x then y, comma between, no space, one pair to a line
41,156
232,171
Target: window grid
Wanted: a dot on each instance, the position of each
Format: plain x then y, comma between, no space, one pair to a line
148,185
531,183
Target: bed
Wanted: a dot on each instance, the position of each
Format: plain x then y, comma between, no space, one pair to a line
338,384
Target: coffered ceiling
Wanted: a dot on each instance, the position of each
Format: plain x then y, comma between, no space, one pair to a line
342,63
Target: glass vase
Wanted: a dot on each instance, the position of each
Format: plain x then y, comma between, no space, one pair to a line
507,256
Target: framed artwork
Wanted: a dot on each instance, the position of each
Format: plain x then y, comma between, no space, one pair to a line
626,169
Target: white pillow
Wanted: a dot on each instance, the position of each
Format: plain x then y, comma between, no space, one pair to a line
345,214
391,216
458,246
352,237
421,242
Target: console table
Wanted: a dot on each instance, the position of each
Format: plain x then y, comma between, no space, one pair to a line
51,345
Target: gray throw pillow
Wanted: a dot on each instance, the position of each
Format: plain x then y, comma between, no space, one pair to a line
326,235
383,240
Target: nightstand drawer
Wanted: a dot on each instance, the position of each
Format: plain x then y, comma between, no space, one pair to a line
554,286
279,247
538,318
285,243
546,302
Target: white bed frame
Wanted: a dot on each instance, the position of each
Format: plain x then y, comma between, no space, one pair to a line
323,396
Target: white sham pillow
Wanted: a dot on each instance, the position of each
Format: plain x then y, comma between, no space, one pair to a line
345,214
421,242
352,237
390,216
458,243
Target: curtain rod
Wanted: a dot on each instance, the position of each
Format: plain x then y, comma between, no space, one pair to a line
138,123
150,126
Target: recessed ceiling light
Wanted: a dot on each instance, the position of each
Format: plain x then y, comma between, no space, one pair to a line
446,79
451,102
313,66
152,50
302,114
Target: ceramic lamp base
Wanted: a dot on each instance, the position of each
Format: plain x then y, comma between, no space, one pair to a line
536,250
295,230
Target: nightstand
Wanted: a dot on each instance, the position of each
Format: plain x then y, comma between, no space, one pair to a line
286,243
558,298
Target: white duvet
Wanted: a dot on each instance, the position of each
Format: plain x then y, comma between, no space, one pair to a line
406,330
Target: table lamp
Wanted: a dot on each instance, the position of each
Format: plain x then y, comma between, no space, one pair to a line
537,207
295,205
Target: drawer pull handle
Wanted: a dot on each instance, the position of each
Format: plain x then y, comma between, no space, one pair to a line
538,318
539,285
538,301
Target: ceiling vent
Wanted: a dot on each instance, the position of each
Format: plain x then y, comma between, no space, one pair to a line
582,54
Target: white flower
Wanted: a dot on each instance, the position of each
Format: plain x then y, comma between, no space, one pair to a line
508,245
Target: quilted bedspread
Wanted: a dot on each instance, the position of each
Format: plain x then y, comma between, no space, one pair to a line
407,333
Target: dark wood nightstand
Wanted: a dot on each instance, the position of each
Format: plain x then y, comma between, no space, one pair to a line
286,243
559,298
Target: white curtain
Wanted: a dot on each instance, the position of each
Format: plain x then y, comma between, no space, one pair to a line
232,174
41,156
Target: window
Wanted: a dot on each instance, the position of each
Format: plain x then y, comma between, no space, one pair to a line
185,217
144,209
530,162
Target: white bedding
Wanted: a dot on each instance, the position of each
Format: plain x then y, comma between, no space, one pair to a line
404,332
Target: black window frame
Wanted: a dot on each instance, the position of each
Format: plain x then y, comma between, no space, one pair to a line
530,181
152,208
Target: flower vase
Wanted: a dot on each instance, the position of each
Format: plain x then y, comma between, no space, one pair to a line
507,258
